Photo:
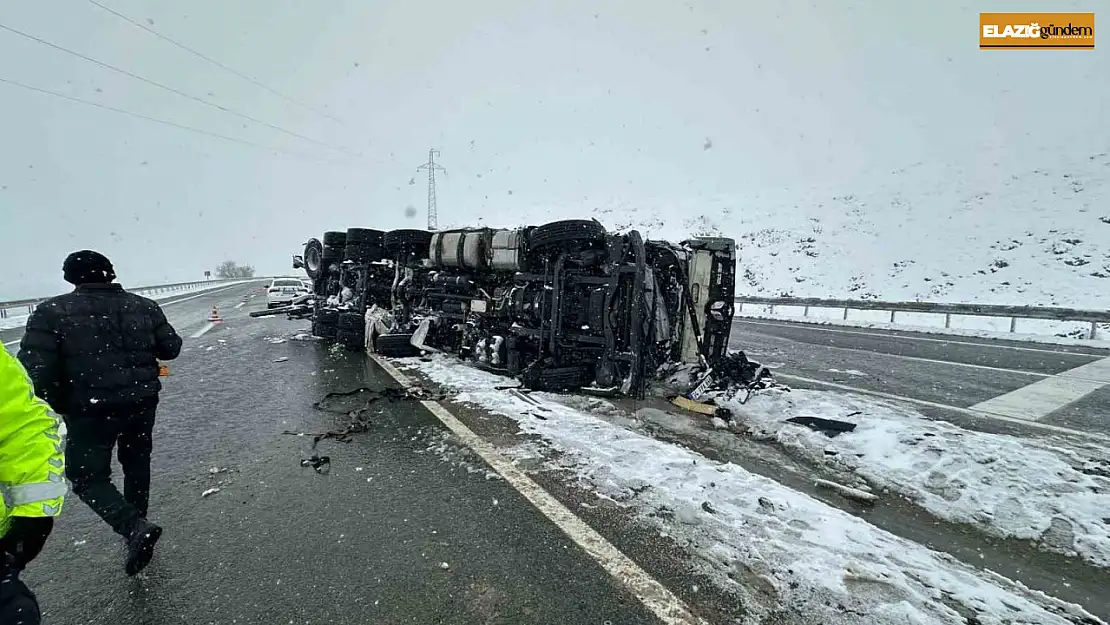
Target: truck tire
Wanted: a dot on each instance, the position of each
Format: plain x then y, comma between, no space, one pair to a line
364,245
363,253
581,232
331,254
352,340
314,259
335,239
325,323
324,331
408,243
351,321
395,346
364,236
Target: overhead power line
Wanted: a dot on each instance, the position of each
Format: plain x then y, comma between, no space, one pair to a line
213,61
156,120
171,89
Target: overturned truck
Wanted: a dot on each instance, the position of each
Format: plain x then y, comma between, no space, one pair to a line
564,305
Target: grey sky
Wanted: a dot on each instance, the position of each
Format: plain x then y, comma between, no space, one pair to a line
551,101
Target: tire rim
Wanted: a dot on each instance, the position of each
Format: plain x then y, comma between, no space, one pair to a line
312,260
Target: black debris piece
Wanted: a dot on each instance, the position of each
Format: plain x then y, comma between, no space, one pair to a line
732,374
356,404
708,507
322,464
829,427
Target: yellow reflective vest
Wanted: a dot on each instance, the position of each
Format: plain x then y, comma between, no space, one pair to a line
32,444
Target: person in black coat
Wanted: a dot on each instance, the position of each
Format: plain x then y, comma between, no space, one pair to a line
93,356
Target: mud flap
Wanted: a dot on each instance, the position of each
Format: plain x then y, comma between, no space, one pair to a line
421,334
378,321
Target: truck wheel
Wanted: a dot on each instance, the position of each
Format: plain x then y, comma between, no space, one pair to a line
314,258
576,231
363,253
408,242
331,254
351,321
395,346
364,236
326,323
352,340
335,239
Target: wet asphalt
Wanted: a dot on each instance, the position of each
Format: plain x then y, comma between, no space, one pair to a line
947,370
406,527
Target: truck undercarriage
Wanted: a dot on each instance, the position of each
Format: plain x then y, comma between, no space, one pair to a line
564,305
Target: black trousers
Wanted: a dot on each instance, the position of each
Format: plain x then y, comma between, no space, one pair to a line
18,605
91,435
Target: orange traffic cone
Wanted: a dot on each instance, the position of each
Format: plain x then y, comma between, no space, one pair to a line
215,316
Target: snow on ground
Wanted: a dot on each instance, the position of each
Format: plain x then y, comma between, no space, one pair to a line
1004,485
1003,233
783,552
19,321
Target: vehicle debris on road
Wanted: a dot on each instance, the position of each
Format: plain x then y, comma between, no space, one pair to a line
321,464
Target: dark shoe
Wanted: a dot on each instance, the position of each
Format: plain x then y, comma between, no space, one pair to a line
140,546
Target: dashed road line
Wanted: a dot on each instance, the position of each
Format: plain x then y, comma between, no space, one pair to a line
1041,398
199,333
240,304
972,412
654,595
201,294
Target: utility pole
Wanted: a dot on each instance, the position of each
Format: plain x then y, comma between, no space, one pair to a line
432,166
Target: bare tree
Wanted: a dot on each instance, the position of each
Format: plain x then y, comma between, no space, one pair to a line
232,269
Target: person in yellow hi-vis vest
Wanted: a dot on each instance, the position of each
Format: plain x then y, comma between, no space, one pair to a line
32,482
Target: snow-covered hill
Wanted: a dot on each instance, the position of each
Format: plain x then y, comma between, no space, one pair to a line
1001,234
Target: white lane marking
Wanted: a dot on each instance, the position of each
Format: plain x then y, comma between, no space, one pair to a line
240,304
1041,398
201,294
655,596
966,411
199,333
11,342
823,328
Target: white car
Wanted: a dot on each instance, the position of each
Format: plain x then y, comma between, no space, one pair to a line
282,291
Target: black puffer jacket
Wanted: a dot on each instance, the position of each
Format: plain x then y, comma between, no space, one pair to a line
97,347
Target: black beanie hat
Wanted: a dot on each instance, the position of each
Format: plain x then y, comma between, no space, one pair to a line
86,267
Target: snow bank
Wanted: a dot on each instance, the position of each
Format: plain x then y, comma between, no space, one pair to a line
789,554
1004,485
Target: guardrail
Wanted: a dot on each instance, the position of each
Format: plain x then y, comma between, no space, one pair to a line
1093,317
27,306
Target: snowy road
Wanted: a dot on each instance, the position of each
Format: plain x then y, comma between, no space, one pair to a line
410,525
280,543
950,378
